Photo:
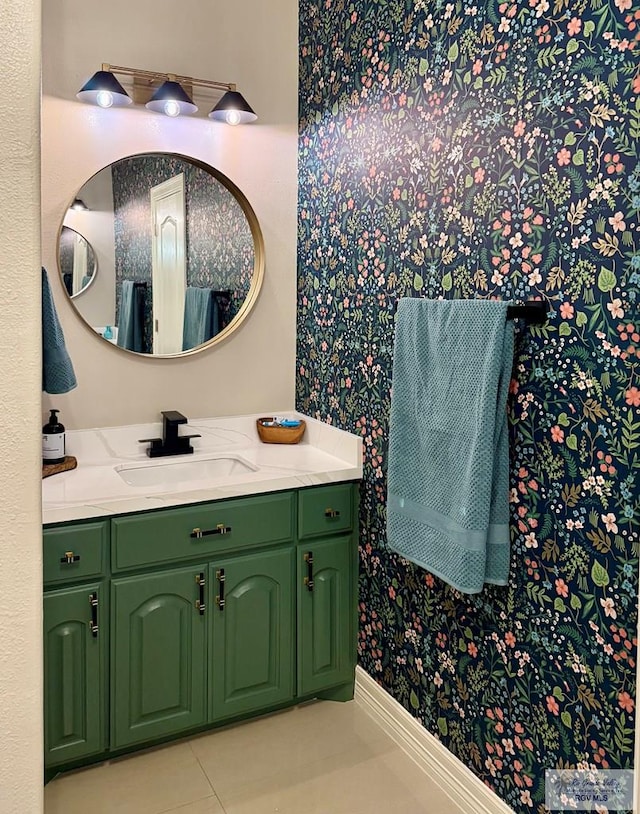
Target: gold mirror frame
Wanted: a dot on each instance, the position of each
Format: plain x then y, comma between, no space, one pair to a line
258,265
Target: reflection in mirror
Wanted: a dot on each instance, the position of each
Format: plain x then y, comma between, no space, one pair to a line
179,249
77,262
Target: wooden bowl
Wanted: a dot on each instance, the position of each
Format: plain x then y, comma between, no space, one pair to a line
279,435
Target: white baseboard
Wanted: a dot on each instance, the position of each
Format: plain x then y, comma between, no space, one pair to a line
464,788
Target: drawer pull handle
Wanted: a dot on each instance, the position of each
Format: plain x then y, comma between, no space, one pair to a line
331,513
93,624
308,580
197,534
220,596
200,603
69,558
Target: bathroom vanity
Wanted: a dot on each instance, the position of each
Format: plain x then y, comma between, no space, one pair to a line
195,597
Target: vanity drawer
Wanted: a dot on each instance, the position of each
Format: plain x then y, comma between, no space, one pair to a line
225,526
74,552
325,510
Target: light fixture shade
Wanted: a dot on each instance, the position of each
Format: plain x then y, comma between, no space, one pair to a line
172,100
103,89
79,205
233,108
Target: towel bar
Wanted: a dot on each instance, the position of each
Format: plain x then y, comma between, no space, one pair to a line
534,312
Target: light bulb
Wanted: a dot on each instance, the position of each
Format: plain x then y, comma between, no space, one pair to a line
172,108
104,98
233,117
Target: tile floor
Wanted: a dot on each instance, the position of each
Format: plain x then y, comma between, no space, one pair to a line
318,758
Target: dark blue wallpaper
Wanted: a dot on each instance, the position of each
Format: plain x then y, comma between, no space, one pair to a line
461,149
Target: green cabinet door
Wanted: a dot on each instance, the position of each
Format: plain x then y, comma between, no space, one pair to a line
326,650
74,673
252,645
158,655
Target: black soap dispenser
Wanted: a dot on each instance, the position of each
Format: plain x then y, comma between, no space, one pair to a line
53,445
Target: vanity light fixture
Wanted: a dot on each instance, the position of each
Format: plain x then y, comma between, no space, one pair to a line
104,90
171,99
164,93
79,205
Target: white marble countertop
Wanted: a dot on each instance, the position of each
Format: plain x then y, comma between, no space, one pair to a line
95,489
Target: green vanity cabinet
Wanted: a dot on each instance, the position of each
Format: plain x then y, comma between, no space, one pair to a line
252,633
216,611
158,655
326,652
74,672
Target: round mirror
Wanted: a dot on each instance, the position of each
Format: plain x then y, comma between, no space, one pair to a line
179,249
77,262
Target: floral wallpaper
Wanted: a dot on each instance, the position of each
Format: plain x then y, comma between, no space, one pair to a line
220,252
464,149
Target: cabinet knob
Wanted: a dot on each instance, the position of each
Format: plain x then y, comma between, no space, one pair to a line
331,513
69,558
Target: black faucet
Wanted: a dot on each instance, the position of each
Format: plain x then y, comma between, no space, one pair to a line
171,443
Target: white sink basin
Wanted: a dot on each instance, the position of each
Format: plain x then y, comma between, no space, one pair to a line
173,473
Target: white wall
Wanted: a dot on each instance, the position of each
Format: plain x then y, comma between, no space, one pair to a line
251,43
20,382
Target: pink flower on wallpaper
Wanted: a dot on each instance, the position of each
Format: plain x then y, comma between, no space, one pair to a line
632,397
617,221
563,156
566,310
575,24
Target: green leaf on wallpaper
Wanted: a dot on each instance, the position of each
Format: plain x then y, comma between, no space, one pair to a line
475,162
570,139
413,700
599,575
606,279
563,420
418,282
332,283
589,28
572,46
575,602
467,78
462,646
559,605
478,83
468,181
581,319
572,442
423,67
564,329
442,726
452,53
578,157
447,281
565,717
557,693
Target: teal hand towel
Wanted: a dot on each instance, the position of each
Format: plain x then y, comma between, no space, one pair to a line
131,317
198,317
448,469
58,375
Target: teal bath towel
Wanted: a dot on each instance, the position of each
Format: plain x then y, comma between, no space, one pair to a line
198,317
448,472
131,316
58,375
